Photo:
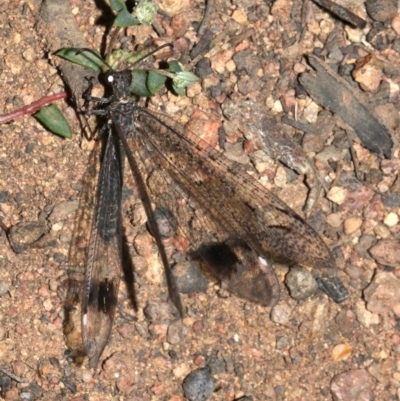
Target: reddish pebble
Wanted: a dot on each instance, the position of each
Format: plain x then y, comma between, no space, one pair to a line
19,368
43,291
176,398
158,389
396,339
197,326
11,394
199,360
206,124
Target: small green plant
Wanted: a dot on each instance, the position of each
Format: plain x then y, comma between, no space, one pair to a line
144,83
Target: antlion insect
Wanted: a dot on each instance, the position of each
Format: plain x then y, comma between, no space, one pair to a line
228,219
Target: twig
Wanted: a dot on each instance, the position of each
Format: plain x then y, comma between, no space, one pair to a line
206,18
32,108
338,172
307,128
341,12
158,28
12,376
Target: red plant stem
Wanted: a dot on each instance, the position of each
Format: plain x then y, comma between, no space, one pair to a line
32,108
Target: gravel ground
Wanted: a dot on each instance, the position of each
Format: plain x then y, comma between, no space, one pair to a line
249,62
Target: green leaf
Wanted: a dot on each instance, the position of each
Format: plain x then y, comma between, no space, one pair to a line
145,12
138,86
155,81
117,5
174,66
52,118
183,79
178,91
124,19
84,59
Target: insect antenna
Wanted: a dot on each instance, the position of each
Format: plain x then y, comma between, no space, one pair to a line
153,52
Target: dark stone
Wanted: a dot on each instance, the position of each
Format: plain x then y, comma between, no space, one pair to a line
198,385
157,312
246,60
391,200
381,10
203,68
216,365
4,197
374,176
364,243
380,38
334,288
25,234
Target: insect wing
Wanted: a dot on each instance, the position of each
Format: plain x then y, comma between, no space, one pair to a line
230,220
104,263
78,257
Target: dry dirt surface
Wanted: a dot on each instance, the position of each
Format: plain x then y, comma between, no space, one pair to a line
251,54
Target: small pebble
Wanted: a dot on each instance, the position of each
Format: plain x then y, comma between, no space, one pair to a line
381,231
282,342
391,219
330,152
337,195
197,326
352,224
281,313
341,352
364,243
335,220
313,143
383,293
87,377
198,385
48,306
26,233
173,7
387,252
368,73
199,360
334,288
365,317
177,332
352,385
216,365
240,17
235,152
181,371
392,200
311,113
157,312
301,283
277,107
280,177
62,210
347,322
381,10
